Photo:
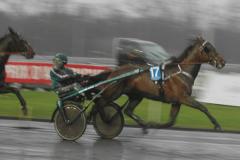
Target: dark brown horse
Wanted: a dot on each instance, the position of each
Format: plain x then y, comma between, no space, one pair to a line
13,43
175,89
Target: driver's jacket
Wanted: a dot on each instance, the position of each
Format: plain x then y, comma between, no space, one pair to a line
63,80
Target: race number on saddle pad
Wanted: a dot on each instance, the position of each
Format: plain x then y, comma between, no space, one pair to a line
155,73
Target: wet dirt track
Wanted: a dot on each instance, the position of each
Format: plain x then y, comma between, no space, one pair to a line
26,140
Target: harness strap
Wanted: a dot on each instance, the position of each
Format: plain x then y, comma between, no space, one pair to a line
185,73
178,72
14,52
204,43
163,69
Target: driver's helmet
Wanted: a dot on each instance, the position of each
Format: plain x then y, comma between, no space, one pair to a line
60,57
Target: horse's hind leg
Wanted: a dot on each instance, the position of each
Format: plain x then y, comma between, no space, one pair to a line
130,106
107,97
173,114
8,89
195,104
22,101
99,104
172,117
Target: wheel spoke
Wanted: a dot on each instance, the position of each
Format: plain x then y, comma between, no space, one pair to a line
113,127
70,131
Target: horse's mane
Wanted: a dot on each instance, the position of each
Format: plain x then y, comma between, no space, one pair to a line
137,57
3,37
185,52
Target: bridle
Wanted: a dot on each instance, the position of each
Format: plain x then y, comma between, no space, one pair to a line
211,58
203,46
26,45
181,71
29,49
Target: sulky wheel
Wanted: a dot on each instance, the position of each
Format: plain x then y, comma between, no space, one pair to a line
113,126
70,131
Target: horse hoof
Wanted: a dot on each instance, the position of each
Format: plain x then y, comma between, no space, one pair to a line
145,130
89,119
218,128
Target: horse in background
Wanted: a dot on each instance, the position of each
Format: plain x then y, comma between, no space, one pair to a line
13,43
175,88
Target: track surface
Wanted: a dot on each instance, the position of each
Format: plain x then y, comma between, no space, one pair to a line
26,140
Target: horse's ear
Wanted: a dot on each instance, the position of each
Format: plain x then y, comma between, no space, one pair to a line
11,30
200,37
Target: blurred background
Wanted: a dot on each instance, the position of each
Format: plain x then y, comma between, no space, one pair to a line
85,29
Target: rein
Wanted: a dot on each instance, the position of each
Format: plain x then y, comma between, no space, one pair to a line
180,68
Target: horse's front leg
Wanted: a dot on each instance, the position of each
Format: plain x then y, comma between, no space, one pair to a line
190,101
172,117
8,89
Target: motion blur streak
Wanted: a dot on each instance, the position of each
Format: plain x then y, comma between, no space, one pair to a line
86,28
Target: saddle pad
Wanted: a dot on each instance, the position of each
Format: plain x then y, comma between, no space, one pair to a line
155,73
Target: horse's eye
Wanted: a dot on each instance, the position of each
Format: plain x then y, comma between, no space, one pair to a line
206,49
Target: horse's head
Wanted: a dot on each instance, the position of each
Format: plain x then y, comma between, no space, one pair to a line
208,53
18,44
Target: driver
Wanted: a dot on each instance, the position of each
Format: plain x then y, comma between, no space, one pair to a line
64,79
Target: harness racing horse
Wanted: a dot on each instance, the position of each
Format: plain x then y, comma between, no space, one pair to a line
175,88
13,43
